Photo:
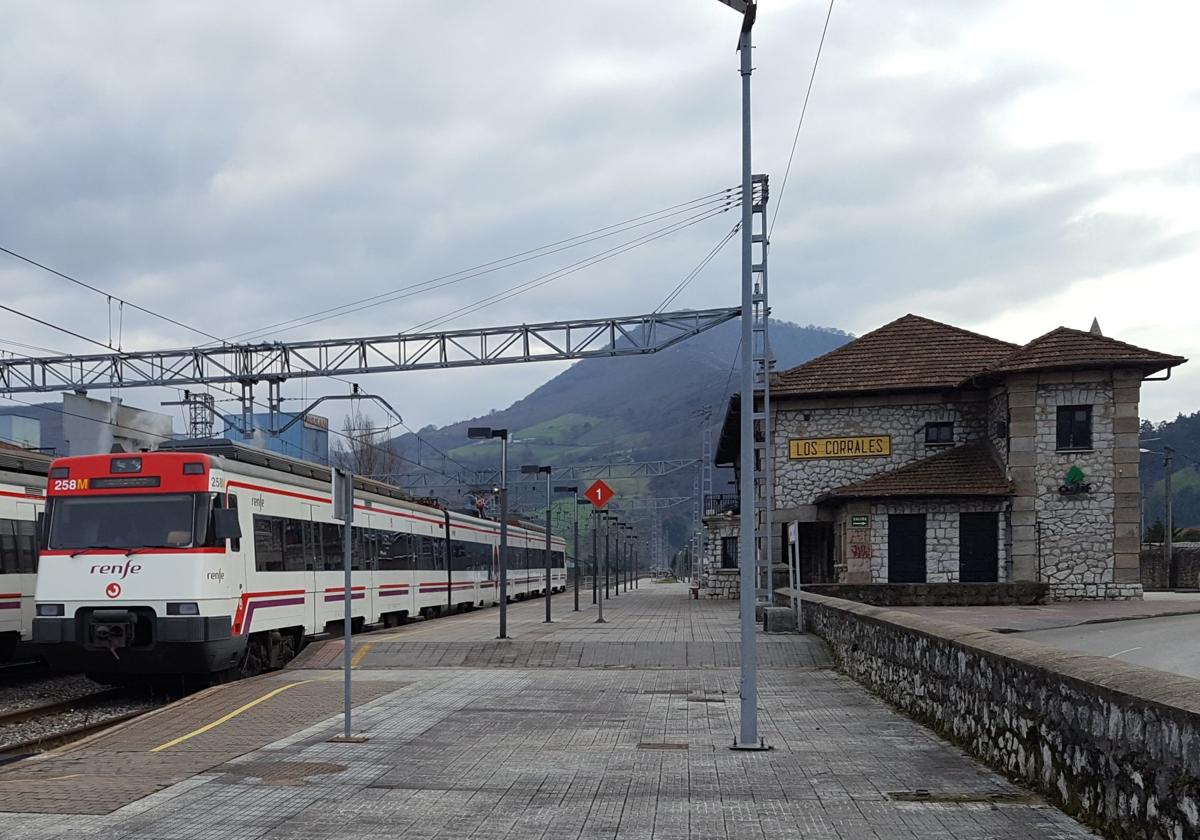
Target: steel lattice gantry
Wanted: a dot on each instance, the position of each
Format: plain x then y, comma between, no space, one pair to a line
276,362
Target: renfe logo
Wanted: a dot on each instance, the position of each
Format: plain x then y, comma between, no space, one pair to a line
124,570
113,590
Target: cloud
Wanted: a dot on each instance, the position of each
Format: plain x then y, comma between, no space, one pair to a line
988,164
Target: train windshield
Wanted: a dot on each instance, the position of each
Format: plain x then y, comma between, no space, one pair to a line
167,520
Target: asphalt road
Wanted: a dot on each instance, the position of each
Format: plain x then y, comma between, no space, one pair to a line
1169,644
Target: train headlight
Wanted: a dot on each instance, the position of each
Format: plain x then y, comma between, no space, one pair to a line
49,610
185,608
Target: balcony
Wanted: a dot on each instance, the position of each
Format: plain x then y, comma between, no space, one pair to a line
721,504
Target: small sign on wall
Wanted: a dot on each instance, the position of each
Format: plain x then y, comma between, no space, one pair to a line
860,521
869,446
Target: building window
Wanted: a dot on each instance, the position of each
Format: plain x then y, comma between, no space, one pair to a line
1074,427
729,552
939,434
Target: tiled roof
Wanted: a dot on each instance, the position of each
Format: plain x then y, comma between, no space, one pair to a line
1068,348
917,354
910,353
968,470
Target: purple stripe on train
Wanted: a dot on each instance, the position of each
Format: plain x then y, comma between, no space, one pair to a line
338,596
10,605
386,592
279,602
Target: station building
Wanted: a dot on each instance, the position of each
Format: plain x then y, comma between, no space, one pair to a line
925,453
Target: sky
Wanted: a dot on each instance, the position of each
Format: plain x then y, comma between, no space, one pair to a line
1004,166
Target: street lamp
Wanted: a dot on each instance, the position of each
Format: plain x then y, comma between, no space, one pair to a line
487,433
534,469
573,489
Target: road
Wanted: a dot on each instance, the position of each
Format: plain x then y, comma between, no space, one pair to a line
1168,643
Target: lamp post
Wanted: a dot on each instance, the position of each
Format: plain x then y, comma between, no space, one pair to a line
748,733
608,521
534,469
596,599
573,489
487,433
636,545
626,549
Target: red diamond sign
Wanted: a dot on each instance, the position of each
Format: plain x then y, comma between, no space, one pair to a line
599,494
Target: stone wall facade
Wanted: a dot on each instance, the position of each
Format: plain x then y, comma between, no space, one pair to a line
941,536
1085,545
1116,745
901,416
716,582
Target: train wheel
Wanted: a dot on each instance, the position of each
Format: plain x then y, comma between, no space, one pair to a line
256,658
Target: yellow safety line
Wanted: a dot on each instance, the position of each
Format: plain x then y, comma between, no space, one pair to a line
359,654
227,717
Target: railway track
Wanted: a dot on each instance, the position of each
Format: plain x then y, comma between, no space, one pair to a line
8,670
36,729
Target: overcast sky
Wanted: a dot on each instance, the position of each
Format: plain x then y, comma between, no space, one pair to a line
1004,166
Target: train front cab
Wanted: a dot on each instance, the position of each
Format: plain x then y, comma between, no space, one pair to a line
139,568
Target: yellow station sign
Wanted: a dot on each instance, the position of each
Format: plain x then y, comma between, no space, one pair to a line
870,446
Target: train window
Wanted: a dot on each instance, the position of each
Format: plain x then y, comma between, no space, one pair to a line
459,559
268,544
140,521
293,545
331,539
231,503
8,547
395,551
27,546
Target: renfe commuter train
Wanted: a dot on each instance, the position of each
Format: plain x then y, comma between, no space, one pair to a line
209,558
22,499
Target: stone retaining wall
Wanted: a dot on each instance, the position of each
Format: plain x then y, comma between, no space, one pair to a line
1113,744
1155,574
934,594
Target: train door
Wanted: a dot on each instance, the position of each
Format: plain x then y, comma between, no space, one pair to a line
28,544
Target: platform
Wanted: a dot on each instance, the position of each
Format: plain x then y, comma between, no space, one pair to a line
570,730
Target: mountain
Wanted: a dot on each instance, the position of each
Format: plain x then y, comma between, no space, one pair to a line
635,408
1183,435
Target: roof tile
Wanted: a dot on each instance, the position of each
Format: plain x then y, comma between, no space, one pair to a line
1068,348
910,353
971,469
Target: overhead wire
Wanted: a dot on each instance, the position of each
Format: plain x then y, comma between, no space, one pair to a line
800,123
109,295
579,265
695,272
723,200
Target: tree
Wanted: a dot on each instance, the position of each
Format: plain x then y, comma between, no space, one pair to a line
364,450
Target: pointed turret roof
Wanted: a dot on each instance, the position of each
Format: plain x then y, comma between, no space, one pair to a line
1068,348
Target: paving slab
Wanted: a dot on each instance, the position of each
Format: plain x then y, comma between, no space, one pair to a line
1014,619
471,737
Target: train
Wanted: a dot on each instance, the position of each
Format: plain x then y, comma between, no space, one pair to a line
22,502
209,559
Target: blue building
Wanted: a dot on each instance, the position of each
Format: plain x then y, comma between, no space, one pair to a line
306,439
